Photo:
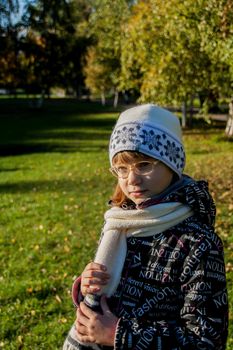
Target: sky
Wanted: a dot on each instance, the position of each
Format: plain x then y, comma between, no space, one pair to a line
22,3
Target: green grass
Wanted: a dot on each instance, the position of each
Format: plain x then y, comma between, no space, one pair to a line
54,186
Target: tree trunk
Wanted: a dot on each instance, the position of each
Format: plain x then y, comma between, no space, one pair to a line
229,126
191,112
184,114
103,100
116,95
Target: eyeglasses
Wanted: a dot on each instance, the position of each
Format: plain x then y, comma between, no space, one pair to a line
140,168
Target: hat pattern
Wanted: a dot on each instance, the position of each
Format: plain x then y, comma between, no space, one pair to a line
150,140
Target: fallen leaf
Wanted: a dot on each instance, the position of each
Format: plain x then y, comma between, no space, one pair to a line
58,298
20,339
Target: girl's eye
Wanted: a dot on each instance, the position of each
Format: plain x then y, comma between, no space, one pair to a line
122,169
142,166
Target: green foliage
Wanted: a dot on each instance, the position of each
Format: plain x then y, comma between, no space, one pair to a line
106,22
54,185
177,49
97,73
163,51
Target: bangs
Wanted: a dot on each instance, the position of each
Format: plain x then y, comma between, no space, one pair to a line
129,156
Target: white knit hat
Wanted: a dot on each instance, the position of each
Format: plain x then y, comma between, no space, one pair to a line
151,130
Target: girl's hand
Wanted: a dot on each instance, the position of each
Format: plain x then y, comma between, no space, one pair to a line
92,327
93,277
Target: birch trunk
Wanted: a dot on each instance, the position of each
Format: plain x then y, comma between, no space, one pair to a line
229,126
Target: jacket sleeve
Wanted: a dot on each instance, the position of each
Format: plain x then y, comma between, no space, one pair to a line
204,311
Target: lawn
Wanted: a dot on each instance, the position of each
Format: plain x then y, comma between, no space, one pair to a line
54,185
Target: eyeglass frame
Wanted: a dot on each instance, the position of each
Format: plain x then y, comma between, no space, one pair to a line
132,166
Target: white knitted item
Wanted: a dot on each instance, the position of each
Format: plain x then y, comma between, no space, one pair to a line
150,130
121,224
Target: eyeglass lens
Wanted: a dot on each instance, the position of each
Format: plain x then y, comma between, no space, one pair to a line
140,168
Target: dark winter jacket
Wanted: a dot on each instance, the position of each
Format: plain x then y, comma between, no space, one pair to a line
172,294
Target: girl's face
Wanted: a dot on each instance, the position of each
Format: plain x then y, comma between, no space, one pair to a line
141,187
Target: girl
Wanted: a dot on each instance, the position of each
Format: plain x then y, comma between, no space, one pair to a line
159,266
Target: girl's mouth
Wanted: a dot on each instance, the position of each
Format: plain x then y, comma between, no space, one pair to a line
137,193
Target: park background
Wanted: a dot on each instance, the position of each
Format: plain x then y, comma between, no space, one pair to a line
67,68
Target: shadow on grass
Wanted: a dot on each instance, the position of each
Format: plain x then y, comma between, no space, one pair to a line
6,170
17,149
38,186
199,152
61,126
202,132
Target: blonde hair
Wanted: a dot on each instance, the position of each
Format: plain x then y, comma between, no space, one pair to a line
119,198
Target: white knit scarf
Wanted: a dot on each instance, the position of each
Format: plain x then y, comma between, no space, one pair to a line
121,223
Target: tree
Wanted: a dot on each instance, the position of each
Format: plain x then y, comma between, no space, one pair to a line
97,74
106,22
9,44
217,41
56,37
163,46
169,50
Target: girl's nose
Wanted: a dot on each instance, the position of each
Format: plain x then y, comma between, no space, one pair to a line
133,178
